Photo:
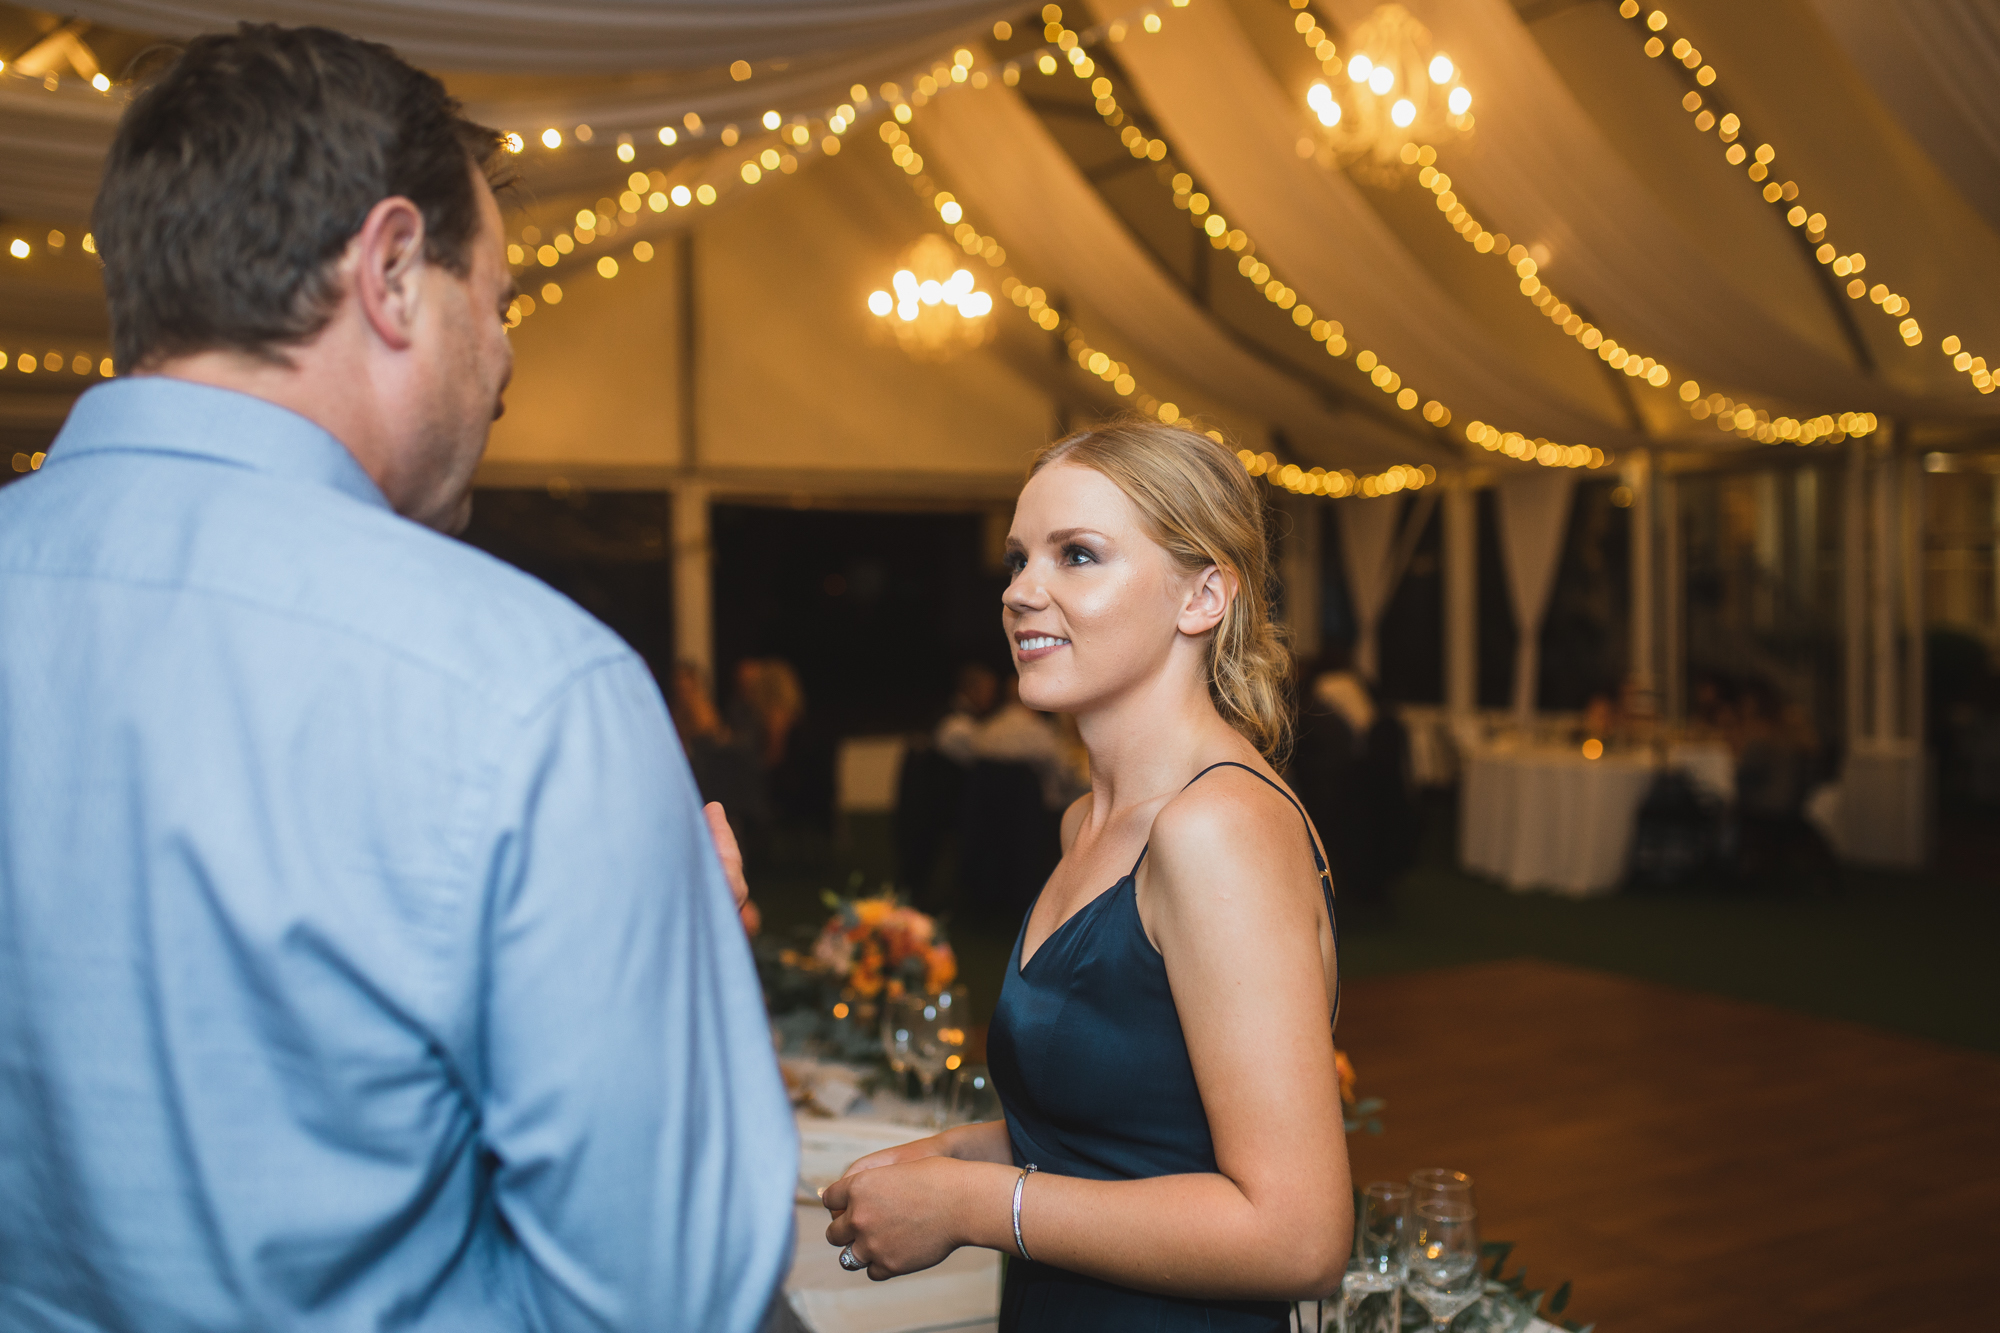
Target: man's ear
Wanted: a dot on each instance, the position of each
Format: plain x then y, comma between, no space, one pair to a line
1208,600
387,258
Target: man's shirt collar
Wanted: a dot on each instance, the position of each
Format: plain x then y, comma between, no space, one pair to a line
156,414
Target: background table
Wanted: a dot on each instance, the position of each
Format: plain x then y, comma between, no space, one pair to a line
1551,819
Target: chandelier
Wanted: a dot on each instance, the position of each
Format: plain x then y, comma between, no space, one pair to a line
935,312
1398,90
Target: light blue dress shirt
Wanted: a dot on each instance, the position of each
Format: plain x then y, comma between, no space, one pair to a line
364,960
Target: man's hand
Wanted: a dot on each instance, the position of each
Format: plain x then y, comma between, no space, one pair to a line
731,856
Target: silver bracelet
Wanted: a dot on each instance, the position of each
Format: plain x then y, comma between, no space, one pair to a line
1018,1186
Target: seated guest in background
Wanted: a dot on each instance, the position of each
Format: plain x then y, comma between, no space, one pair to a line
1171,1155
930,787
1350,769
368,962
724,760
1013,733
768,705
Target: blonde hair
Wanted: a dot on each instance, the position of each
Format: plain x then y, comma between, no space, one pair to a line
1202,508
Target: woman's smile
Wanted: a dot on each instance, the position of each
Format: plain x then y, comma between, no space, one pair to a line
1032,647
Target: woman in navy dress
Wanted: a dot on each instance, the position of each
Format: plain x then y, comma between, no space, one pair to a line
1172,1154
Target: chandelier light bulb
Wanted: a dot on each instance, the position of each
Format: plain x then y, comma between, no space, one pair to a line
880,303
930,291
1318,96
1329,115
1460,99
1381,79
951,213
907,311
771,119
975,304
957,286
1359,68
905,283
551,138
1403,112
1441,69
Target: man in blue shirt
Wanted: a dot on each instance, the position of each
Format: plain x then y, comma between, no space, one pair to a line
365,961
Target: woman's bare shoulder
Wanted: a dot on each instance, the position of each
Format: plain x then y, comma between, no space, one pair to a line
1230,821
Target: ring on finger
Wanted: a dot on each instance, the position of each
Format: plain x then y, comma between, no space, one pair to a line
851,1261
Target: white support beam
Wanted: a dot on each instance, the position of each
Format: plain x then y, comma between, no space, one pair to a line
1854,594
1673,610
1885,713
1299,562
1643,611
694,583
1461,597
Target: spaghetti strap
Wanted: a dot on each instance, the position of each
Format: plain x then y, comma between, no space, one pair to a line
1319,860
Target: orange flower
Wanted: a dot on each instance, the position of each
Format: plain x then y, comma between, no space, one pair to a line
941,969
873,911
1345,1068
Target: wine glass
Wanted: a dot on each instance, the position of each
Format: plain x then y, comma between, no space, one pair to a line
1371,1299
1437,1184
921,1032
1442,1260
972,1096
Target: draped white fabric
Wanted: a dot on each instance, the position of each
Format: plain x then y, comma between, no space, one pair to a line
1544,169
1322,237
582,36
995,154
1367,539
1933,63
1534,519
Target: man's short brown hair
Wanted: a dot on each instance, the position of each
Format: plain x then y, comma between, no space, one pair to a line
239,175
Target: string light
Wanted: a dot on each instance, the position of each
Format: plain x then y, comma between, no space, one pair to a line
1534,287
1403,76
24,361
1330,333
1646,370
1034,303
1729,128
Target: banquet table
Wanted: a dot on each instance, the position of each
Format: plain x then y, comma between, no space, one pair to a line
1547,818
960,1295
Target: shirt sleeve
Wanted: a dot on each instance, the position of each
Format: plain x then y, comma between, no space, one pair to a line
644,1153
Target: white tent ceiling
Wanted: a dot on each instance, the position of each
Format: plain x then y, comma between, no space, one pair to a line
1886,113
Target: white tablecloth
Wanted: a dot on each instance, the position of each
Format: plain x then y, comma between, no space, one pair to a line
962,1294
1551,819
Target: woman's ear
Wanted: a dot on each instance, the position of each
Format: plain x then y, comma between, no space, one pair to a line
1208,599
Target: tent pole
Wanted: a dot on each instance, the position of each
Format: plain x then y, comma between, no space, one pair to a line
1301,564
694,582
1882,595
1673,609
1461,597
1854,593
1642,612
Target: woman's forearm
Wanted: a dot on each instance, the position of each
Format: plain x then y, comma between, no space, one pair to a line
985,1141
1191,1235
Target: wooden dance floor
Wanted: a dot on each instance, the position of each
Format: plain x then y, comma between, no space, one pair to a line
1692,1162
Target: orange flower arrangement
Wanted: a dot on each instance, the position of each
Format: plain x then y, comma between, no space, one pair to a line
880,946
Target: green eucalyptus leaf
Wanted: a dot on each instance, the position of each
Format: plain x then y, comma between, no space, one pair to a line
1560,1301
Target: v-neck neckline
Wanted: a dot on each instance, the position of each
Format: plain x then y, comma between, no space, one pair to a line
1021,965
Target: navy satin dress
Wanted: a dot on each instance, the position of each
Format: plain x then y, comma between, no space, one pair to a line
1087,1055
